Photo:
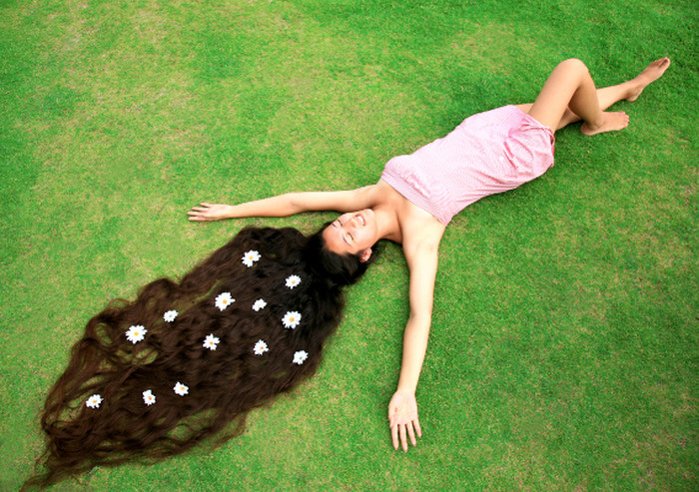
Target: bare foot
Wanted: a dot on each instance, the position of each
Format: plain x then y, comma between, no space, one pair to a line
609,122
651,73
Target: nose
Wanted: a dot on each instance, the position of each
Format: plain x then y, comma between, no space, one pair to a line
350,222
355,222
345,219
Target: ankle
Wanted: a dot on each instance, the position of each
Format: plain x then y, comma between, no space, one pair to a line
595,122
631,87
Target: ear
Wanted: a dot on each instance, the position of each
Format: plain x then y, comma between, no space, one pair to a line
365,255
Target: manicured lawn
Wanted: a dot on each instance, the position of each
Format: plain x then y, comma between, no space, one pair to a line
564,346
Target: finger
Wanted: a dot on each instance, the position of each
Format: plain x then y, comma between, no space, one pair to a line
417,427
204,204
411,433
403,439
394,436
199,209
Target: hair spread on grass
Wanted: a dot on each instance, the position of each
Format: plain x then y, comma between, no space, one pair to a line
224,384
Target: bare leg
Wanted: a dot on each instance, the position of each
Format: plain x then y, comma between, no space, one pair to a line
570,85
607,96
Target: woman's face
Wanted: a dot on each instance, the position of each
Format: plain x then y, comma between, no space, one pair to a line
354,233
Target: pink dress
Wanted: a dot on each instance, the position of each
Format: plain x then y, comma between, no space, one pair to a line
487,153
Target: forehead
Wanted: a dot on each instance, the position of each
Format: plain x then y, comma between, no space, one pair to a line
334,240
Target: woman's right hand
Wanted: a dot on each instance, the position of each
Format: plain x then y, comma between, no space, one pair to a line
210,211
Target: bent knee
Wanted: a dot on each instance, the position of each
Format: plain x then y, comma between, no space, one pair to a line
573,64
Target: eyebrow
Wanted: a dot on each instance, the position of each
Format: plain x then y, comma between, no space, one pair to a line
343,234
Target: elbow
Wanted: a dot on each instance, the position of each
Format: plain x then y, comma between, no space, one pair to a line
420,320
292,205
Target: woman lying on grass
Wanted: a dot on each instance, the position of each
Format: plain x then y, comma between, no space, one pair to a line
188,360
418,195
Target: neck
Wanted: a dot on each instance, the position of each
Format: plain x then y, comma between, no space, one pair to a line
387,224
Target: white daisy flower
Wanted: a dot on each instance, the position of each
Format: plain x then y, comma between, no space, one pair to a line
180,389
224,300
94,401
250,257
135,333
291,319
148,397
259,304
170,315
261,347
292,281
300,357
211,342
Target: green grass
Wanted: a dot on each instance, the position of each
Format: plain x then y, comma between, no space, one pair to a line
564,346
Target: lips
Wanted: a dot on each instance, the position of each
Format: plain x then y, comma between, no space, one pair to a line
361,219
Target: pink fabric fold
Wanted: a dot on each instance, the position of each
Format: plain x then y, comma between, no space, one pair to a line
487,153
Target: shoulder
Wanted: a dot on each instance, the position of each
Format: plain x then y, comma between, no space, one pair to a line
366,195
421,237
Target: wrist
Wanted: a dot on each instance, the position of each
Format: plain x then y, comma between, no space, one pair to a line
404,388
231,214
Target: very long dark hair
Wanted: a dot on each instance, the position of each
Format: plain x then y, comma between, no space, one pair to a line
222,385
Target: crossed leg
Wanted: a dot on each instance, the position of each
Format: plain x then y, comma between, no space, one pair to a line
569,95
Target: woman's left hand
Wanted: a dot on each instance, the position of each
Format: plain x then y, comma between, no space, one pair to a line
403,421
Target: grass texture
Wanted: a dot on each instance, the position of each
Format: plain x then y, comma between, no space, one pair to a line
564,347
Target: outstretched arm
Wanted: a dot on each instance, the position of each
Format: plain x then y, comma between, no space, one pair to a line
402,410
287,204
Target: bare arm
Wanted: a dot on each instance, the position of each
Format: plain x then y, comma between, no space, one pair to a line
288,204
402,410
423,270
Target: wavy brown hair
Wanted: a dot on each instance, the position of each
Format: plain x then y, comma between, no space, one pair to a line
224,384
